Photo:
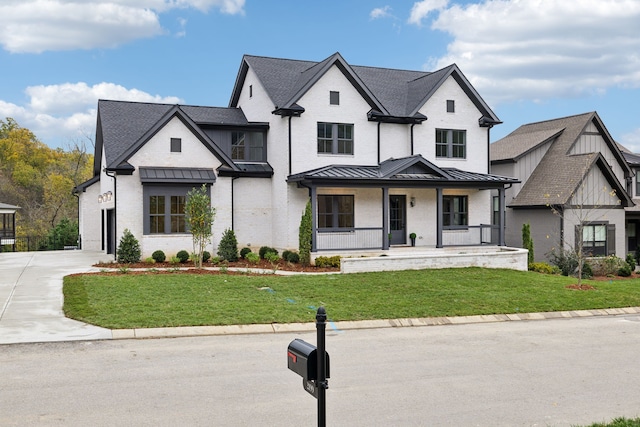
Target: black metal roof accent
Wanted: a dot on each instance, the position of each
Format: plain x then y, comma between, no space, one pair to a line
413,171
248,170
177,175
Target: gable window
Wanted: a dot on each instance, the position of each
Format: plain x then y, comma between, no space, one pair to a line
164,209
334,98
176,145
451,106
250,91
335,212
247,146
455,211
451,143
335,138
595,238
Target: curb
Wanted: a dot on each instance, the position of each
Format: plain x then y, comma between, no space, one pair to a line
341,326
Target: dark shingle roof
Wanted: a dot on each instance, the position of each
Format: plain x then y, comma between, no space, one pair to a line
393,92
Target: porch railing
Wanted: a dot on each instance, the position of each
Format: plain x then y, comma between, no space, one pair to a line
355,238
472,235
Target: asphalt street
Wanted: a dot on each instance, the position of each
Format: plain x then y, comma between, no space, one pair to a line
557,372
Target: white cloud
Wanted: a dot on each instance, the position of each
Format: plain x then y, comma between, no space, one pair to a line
535,49
380,12
421,9
35,26
61,113
631,140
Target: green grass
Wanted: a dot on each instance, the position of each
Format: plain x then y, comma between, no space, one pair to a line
619,422
164,300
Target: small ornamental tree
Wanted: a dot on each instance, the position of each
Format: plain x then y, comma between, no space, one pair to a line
304,236
527,242
199,217
228,246
128,249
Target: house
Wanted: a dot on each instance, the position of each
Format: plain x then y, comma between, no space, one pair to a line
632,213
8,224
380,153
574,182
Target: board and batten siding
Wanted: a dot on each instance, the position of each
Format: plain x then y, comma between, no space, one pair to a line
592,141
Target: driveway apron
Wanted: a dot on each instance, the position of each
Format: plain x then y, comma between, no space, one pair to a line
31,296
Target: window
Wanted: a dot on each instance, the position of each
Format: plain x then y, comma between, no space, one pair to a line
164,209
496,210
335,138
247,146
250,91
335,211
455,211
334,98
451,143
451,106
594,239
176,145
637,182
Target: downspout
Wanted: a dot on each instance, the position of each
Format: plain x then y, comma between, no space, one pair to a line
412,125
289,145
115,210
379,123
489,148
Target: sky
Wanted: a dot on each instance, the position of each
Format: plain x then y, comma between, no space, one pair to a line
530,60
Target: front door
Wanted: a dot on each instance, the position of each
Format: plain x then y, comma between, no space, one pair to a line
397,219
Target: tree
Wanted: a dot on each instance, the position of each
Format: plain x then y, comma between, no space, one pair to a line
527,243
304,236
199,216
128,249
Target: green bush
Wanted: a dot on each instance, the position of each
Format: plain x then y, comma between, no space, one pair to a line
587,272
159,256
624,271
264,249
65,233
174,260
183,256
543,267
323,261
216,260
606,266
228,246
291,256
149,260
631,261
206,256
244,252
305,235
253,258
271,256
129,248
565,260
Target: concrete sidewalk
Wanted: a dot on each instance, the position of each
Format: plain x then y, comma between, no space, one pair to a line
31,296
31,307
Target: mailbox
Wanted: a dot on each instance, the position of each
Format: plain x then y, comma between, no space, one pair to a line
302,358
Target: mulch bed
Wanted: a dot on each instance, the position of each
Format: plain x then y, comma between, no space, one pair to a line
166,267
584,287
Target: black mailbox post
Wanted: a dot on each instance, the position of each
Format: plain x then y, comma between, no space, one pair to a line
312,364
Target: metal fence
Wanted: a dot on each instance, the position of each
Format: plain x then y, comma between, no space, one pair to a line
36,243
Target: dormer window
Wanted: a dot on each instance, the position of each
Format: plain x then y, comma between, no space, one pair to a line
451,106
176,145
247,146
334,98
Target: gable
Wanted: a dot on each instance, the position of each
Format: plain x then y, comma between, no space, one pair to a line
596,190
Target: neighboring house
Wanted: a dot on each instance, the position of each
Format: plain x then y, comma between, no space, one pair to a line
380,153
7,224
633,212
574,166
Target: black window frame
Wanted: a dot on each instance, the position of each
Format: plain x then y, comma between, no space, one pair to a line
171,217
335,138
176,145
593,247
451,106
448,145
452,216
334,97
637,192
252,146
335,212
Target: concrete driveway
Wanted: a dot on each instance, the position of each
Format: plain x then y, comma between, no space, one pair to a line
31,296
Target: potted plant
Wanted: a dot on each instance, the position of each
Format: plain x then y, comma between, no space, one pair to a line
412,236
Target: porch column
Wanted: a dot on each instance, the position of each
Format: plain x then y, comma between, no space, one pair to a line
314,209
439,226
385,218
501,221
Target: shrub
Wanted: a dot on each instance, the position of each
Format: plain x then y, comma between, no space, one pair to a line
565,260
183,256
606,266
244,252
174,260
206,256
323,261
543,267
271,256
527,242
625,270
305,235
128,249
631,261
228,246
149,260
159,256
291,256
264,249
587,272
253,258
215,260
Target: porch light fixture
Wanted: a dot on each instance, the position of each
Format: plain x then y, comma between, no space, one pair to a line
412,201
99,198
109,194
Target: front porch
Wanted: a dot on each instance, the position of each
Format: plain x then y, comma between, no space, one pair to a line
418,258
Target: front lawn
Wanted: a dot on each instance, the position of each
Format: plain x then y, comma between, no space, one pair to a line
179,299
